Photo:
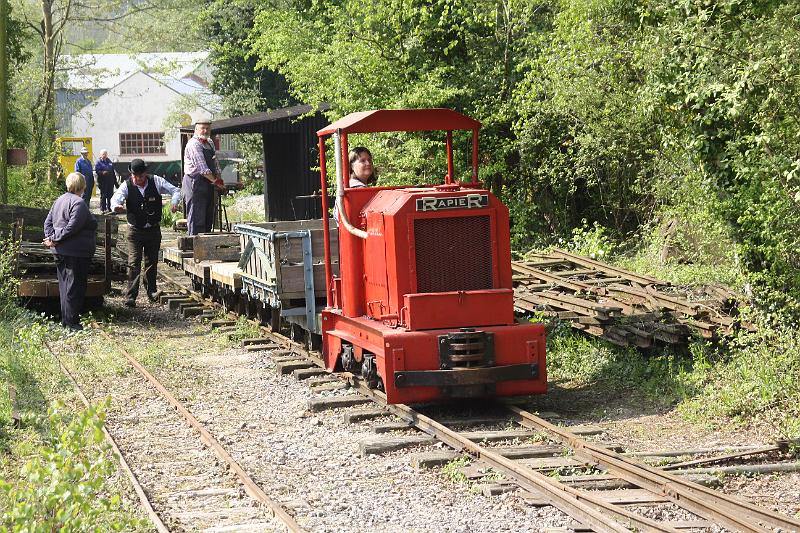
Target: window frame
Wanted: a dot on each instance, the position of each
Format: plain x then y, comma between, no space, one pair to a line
124,143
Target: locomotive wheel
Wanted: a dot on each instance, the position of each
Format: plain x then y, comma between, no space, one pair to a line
369,371
349,363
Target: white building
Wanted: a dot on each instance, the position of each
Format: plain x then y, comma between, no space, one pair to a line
138,116
83,78
129,120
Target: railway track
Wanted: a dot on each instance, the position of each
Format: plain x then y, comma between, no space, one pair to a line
581,496
185,479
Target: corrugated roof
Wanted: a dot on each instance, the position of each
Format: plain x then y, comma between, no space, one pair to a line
104,71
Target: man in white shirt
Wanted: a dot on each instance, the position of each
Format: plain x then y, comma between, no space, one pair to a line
141,194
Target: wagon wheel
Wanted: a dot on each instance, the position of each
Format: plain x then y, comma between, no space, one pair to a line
229,301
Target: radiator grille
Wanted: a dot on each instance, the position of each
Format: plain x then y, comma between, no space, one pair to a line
453,254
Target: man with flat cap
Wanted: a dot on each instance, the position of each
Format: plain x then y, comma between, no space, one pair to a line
201,179
84,165
141,194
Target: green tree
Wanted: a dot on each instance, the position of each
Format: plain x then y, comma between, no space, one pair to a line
585,131
729,77
17,56
358,54
244,86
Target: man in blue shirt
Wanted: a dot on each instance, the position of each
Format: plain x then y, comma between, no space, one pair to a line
84,166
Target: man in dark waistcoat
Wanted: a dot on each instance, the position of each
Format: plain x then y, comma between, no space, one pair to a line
141,194
201,179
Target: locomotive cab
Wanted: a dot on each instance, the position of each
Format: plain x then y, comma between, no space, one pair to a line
423,307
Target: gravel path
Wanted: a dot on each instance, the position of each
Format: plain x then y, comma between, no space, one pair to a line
186,485
310,461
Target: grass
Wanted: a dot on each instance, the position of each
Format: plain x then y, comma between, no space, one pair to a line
453,470
57,471
748,379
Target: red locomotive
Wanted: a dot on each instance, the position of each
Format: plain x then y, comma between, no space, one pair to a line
424,302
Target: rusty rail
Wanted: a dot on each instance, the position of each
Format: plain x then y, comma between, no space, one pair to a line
583,506
137,487
726,510
250,486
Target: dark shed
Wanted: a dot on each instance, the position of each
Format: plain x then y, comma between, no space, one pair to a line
290,154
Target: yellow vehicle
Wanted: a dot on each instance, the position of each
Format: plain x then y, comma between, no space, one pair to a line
69,150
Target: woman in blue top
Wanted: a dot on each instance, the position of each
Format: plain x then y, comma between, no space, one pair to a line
69,230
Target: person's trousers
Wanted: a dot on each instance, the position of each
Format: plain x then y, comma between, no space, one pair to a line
142,243
106,192
87,194
201,204
73,277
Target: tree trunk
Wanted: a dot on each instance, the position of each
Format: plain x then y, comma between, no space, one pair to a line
43,109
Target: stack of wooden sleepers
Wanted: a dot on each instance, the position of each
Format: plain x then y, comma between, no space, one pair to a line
623,307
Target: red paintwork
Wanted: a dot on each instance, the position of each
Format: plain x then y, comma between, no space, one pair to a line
399,349
401,120
376,304
467,309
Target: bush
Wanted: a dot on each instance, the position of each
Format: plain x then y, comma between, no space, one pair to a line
32,193
62,488
755,378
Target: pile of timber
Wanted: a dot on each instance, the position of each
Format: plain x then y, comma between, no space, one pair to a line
25,225
34,259
623,307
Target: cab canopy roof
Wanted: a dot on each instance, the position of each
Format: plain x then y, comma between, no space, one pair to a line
401,120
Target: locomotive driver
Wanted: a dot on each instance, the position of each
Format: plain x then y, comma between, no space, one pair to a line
141,194
362,171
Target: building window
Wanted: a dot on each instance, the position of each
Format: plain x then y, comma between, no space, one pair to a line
142,143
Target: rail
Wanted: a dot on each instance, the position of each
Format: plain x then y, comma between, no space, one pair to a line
589,509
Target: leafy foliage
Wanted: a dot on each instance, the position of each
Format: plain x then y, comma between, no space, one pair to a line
244,86
62,487
586,135
17,55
